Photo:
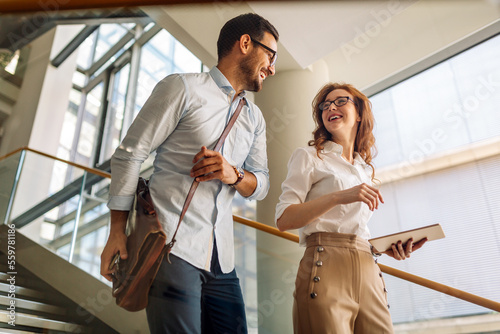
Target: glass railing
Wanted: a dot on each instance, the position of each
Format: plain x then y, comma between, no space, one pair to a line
62,206
59,205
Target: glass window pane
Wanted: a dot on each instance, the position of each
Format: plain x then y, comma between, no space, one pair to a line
438,197
184,60
156,64
79,79
90,126
109,35
449,106
478,70
114,117
161,56
386,130
440,111
85,51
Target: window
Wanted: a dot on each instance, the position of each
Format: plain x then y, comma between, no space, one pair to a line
100,108
437,114
448,106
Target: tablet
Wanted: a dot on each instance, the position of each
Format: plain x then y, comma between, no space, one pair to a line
431,232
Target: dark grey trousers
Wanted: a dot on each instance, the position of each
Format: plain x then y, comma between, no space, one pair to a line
185,299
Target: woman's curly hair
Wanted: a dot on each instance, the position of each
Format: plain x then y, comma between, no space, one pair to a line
364,143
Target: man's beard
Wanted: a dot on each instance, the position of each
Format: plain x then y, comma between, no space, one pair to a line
248,75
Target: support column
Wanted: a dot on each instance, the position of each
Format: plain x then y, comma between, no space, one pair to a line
286,103
38,117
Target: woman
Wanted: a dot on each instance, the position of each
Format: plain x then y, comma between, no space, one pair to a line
328,195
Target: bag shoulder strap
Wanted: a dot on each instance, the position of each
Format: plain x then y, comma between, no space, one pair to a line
195,183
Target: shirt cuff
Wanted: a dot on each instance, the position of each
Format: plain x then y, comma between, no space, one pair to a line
121,203
280,209
262,187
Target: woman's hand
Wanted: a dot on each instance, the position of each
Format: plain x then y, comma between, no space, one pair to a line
402,252
361,193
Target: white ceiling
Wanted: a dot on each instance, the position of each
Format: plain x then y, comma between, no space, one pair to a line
391,34
312,30
309,30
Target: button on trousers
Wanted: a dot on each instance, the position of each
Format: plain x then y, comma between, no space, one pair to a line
339,288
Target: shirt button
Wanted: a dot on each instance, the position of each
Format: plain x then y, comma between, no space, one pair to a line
314,295
316,279
319,263
321,249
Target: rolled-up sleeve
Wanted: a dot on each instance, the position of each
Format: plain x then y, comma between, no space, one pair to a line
152,126
298,182
256,161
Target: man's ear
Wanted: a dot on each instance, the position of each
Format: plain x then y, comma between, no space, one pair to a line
244,44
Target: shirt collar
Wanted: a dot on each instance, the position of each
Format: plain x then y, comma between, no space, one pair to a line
331,146
222,82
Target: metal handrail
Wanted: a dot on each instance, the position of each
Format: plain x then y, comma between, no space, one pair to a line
484,302
88,169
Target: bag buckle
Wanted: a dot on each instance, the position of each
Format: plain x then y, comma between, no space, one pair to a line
115,262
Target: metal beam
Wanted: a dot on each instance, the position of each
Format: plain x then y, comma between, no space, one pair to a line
73,45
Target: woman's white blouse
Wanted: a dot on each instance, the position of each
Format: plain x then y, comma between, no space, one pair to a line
310,177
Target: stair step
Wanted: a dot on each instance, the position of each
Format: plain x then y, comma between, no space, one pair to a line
4,330
30,288
34,321
21,291
33,306
21,280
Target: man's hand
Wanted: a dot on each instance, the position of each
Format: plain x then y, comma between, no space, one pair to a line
211,165
117,242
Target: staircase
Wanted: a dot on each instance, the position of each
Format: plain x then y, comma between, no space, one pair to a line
39,308
54,296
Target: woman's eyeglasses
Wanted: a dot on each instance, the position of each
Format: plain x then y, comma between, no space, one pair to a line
339,102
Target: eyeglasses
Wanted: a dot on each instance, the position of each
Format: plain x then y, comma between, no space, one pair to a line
339,102
274,53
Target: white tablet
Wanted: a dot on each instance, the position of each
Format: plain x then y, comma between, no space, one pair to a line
431,232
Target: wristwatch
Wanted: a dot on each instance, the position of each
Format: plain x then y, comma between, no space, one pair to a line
240,173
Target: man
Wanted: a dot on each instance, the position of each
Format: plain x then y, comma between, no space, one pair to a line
199,291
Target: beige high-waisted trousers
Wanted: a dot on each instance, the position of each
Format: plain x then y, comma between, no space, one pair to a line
339,288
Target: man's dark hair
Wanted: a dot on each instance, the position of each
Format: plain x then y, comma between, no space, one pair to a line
251,24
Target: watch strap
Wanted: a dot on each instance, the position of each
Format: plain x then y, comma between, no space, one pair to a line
239,174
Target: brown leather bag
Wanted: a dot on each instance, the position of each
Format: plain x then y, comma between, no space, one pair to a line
146,242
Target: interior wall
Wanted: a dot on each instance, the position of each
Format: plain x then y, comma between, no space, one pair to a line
19,125
285,101
53,102
37,115
38,119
